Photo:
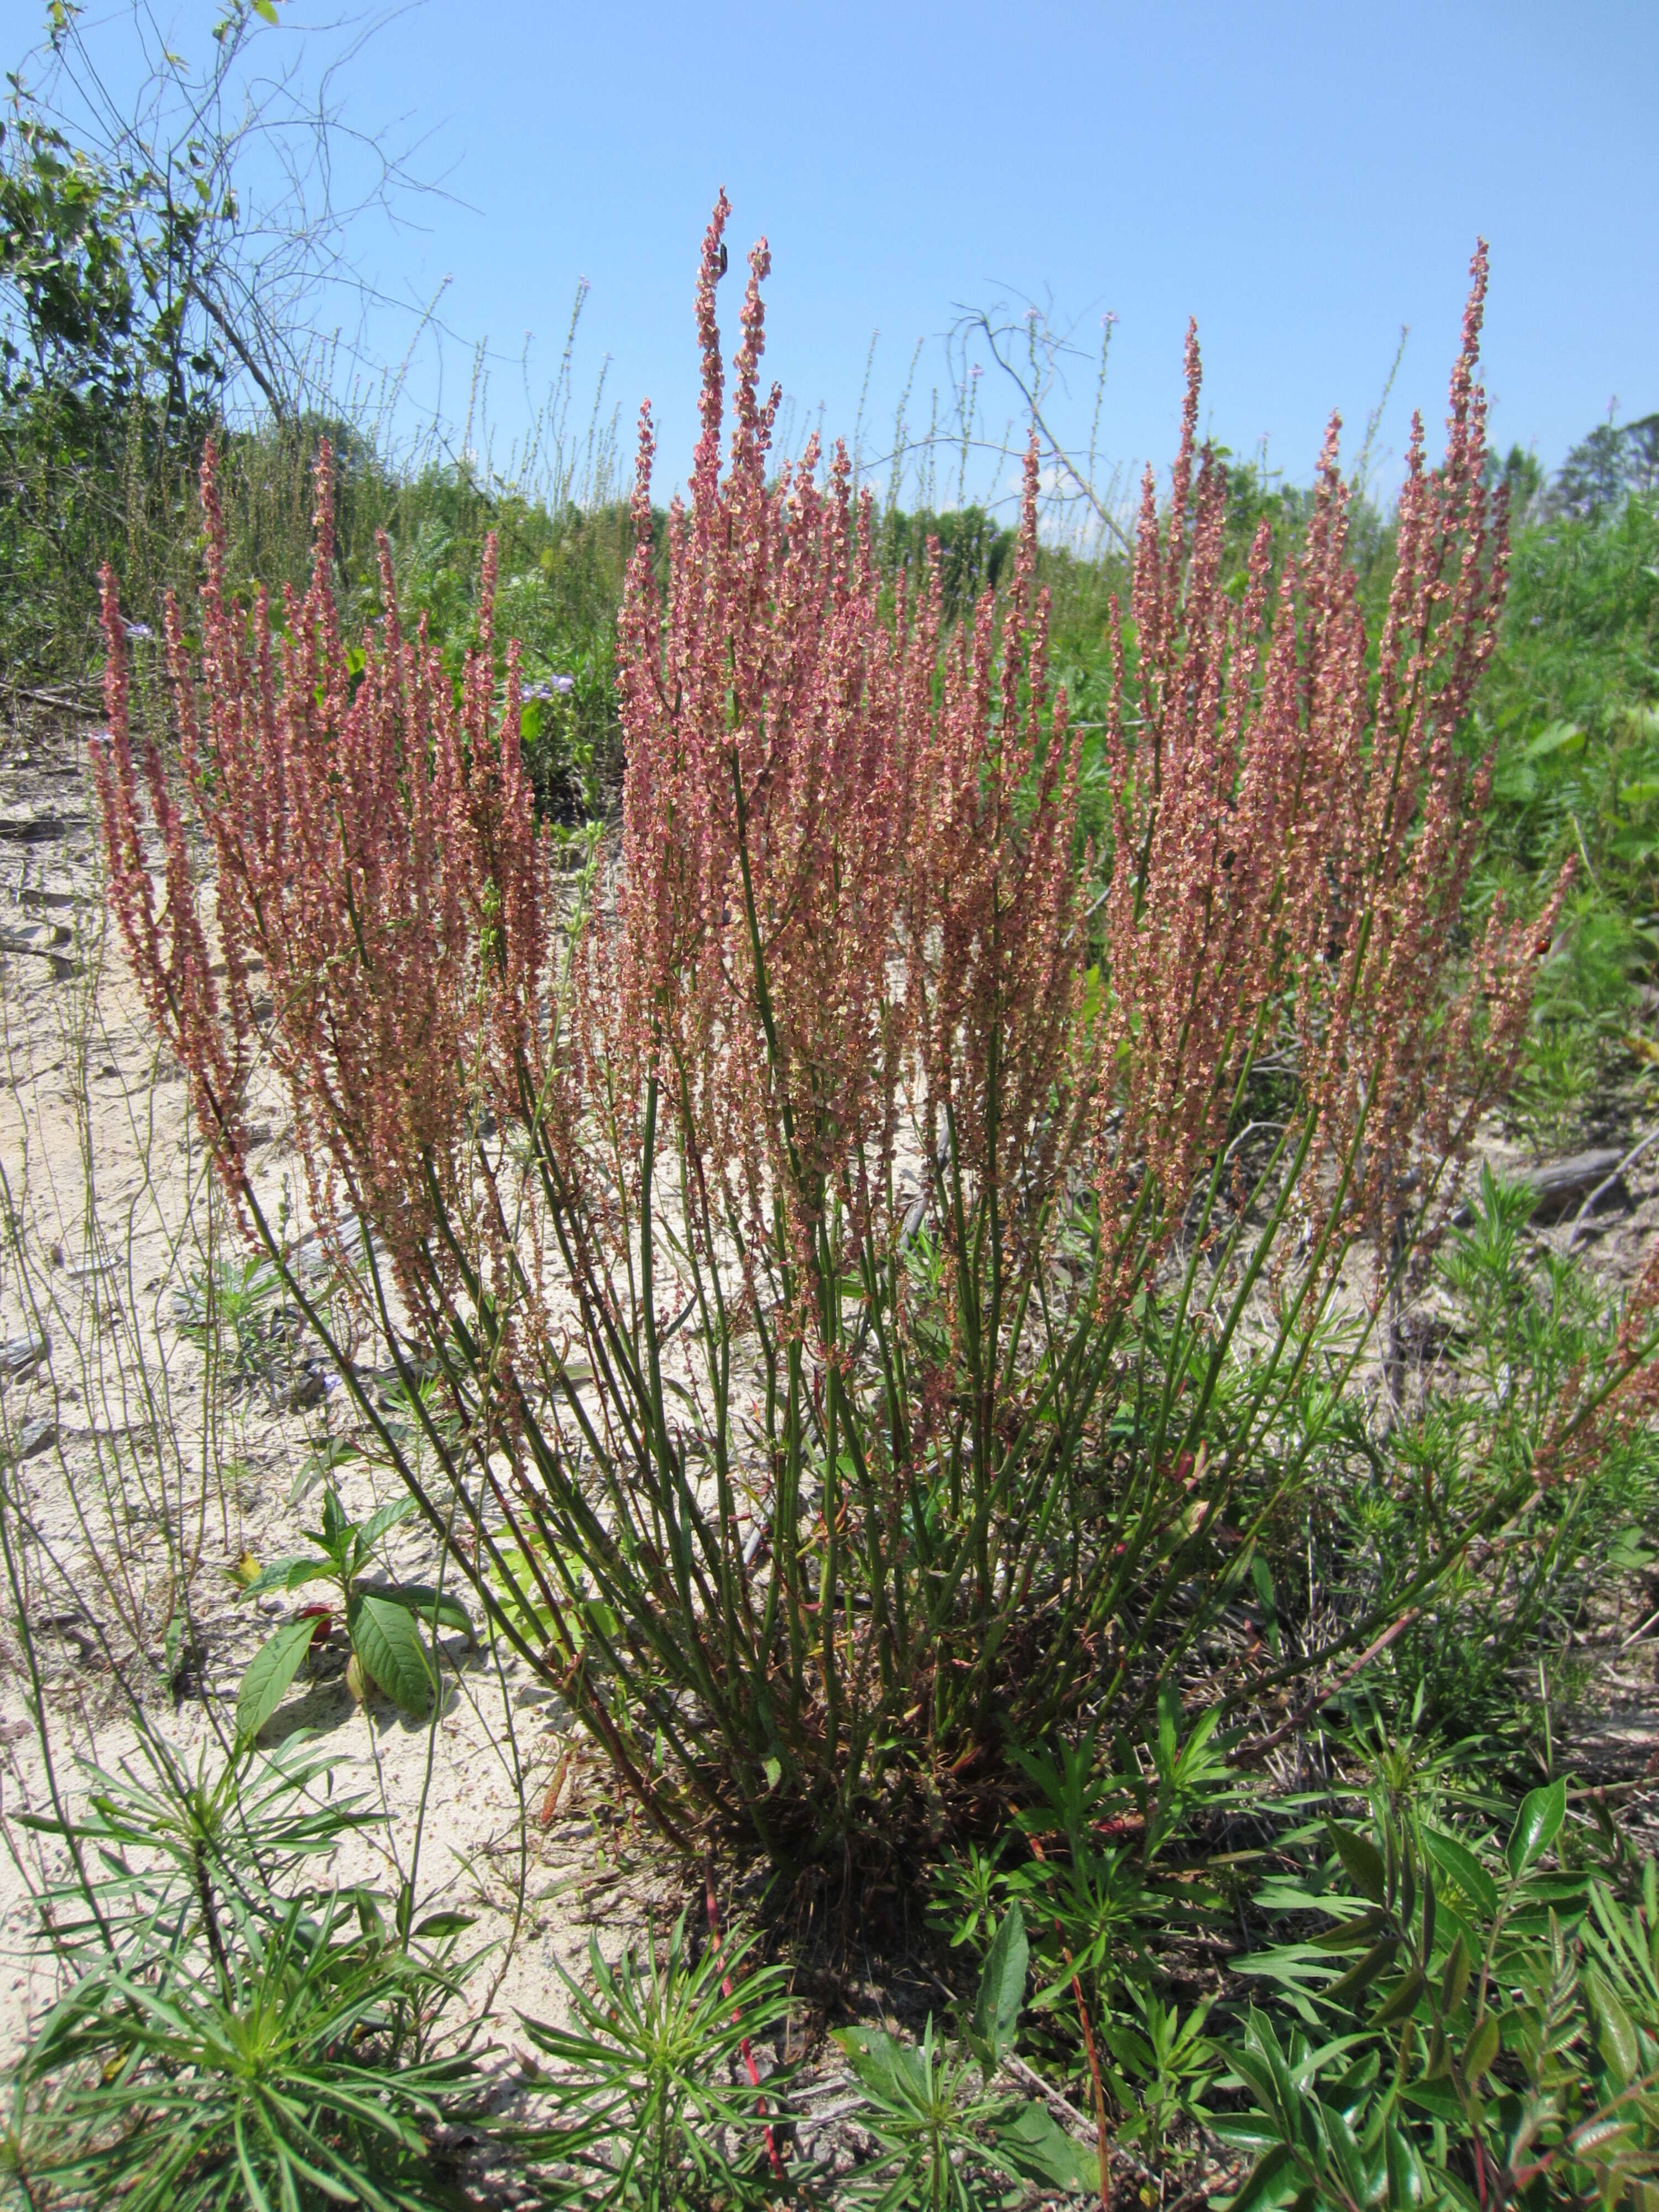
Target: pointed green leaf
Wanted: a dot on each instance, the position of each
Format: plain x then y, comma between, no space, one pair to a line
1268,2180
1615,2038
1455,1977
1536,1826
386,1640
1482,2050
1355,1935
286,1575
1345,2152
437,1924
1002,1985
388,1516
273,1667
1363,1861
878,2060
434,1607
1405,2181
1360,1977
1403,2000
1459,1862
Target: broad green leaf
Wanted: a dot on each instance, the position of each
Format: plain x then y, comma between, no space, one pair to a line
386,1517
438,1924
1481,2050
1002,1985
1036,2146
878,2060
1363,1861
432,1605
1615,2038
1405,2180
1457,1860
1345,2151
1556,737
1403,2001
273,1667
1536,1826
1268,2182
386,1640
1252,2133
1436,2097
266,12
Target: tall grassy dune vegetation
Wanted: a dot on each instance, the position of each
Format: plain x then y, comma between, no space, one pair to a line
887,1097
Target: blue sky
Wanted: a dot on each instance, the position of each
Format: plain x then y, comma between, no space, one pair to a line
1303,179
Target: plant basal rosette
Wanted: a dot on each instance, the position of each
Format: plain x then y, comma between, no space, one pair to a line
814,1240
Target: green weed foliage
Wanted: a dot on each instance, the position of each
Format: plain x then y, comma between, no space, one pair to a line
1476,2023
235,2030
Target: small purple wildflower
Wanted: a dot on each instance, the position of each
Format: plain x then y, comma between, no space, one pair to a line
140,630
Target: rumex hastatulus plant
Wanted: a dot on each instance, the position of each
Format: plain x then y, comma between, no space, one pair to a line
829,1230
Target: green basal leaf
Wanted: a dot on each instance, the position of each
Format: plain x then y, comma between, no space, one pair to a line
1036,2146
1002,1985
273,1667
879,2061
385,1637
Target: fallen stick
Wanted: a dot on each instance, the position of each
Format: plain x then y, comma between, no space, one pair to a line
1602,1188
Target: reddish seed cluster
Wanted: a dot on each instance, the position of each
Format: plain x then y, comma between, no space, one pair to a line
1293,838
848,894
376,875
847,881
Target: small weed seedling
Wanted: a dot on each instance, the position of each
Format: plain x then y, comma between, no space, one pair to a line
945,2143
383,1622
